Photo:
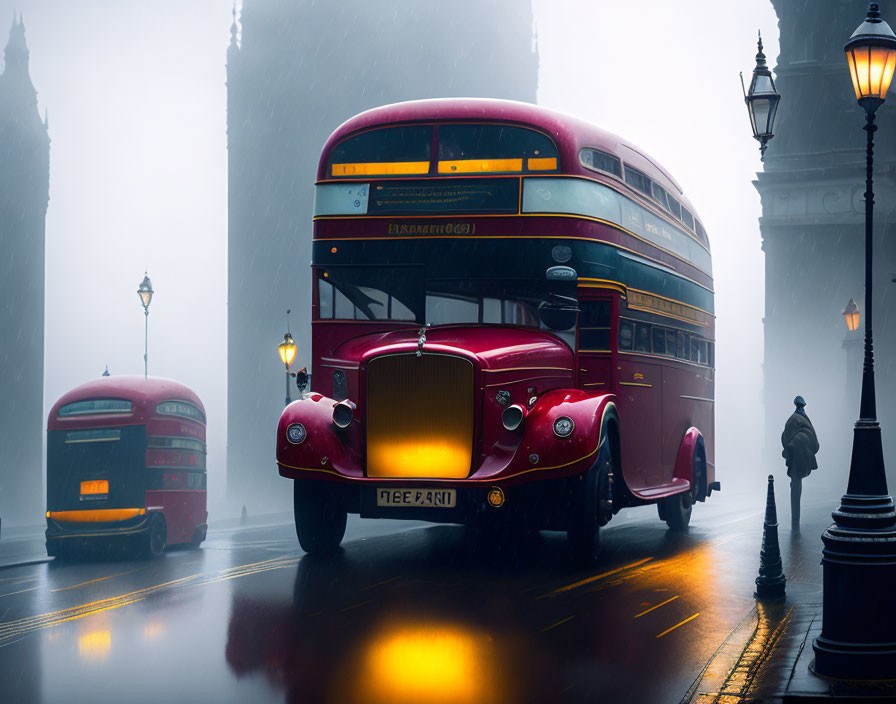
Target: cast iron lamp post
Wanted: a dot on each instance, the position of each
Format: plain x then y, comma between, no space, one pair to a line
287,350
859,556
762,101
144,290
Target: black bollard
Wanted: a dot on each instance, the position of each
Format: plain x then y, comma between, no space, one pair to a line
770,582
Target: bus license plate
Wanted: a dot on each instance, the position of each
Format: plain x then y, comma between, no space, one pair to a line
435,498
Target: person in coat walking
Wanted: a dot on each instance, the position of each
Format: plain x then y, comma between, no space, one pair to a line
800,446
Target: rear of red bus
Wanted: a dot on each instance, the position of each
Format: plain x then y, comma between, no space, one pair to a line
126,465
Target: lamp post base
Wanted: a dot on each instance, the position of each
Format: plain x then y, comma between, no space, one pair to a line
858,639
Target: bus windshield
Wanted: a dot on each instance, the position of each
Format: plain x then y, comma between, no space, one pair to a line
405,294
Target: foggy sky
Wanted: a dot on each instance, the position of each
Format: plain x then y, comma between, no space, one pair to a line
136,99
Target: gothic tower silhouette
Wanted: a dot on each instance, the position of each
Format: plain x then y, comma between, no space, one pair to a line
813,233
24,196
297,71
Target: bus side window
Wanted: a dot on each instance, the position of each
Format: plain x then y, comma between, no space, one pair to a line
712,354
642,338
325,299
626,335
671,342
659,340
681,348
594,325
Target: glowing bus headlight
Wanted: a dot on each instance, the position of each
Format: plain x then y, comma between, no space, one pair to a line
564,426
296,433
512,417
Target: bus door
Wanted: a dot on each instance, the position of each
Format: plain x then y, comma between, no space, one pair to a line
595,350
639,400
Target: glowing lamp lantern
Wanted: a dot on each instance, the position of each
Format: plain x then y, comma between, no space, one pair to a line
144,290
287,350
762,101
851,314
871,53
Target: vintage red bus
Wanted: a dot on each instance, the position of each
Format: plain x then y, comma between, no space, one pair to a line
126,462
512,316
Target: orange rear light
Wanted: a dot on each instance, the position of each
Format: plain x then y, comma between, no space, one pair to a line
100,515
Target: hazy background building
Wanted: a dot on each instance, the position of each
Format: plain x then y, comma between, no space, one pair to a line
295,71
24,195
812,226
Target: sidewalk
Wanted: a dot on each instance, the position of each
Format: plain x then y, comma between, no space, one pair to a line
22,545
766,659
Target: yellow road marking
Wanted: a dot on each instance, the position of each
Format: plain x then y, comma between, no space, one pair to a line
647,611
14,629
596,577
91,581
21,591
669,630
559,623
349,608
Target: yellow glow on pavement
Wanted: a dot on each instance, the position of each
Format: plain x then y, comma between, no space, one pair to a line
95,645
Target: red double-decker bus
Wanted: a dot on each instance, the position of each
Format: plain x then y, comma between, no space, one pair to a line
126,462
512,318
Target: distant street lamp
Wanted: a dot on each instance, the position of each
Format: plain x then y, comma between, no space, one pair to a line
145,292
287,350
762,101
859,556
851,314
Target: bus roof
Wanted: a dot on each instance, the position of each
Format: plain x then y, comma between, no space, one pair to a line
570,133
144,394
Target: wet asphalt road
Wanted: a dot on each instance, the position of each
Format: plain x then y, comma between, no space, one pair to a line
407,612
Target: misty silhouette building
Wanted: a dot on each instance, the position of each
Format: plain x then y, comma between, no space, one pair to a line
813,230
295,71
24,195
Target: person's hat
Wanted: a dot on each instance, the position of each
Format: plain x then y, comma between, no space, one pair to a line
799,402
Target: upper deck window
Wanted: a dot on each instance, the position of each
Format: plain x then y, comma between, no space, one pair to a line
96,406
388,151
466,149
636,179
660,196
687,218
599,161
183,409
701,233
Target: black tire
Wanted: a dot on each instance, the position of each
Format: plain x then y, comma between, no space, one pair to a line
320,517
156,538
676,510
198,536
591,507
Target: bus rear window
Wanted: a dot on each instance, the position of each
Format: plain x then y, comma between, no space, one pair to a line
95,406
467,149
389,151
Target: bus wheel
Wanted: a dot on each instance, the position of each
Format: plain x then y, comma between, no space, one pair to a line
320,517
676,510
591,502
156,539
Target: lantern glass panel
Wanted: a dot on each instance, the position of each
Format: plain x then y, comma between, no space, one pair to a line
759,113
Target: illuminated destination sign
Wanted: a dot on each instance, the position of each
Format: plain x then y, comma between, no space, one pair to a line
469,195
445,228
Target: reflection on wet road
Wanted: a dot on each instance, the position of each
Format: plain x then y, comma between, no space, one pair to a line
405,613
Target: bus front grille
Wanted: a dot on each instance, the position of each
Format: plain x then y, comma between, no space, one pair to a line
419,416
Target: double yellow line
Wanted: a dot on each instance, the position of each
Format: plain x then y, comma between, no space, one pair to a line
13,630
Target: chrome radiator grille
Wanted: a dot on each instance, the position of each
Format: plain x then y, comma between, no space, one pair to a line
419,416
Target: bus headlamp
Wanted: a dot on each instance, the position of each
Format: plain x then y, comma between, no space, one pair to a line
296,433
564,426
343,414
512,417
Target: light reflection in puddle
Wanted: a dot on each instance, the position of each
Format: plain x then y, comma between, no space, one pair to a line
426,663
95,645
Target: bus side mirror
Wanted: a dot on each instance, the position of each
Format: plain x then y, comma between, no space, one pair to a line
559,316
302,378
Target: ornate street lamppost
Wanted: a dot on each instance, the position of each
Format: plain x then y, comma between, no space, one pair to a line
859,556
145,292
762,101
287,350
